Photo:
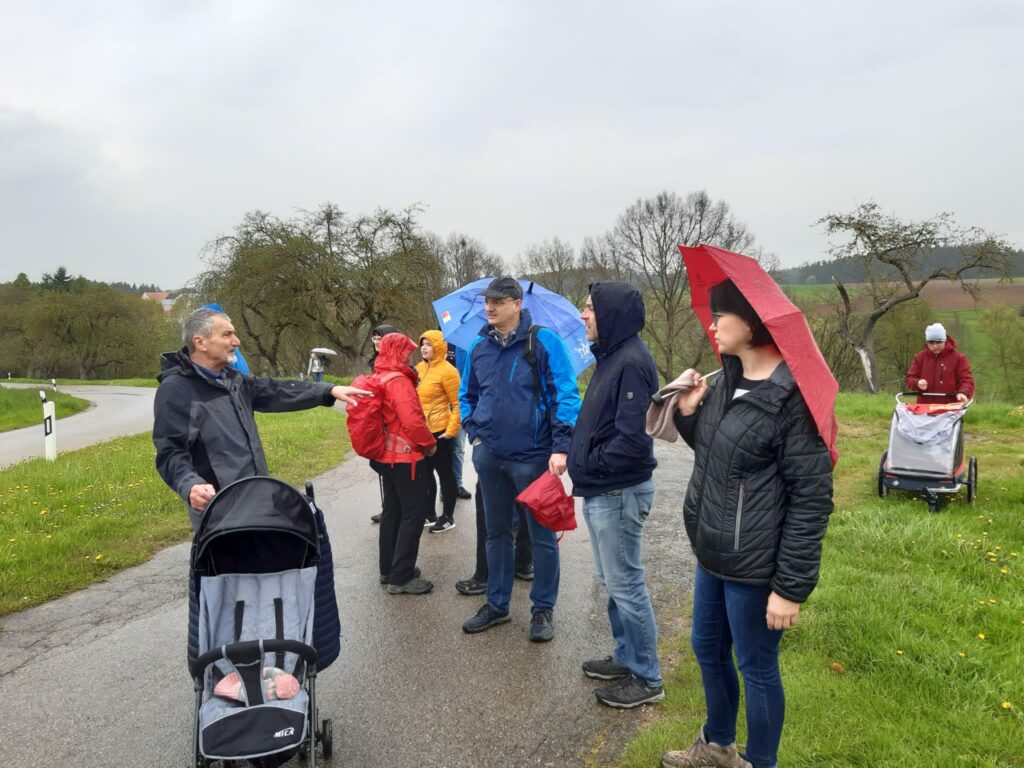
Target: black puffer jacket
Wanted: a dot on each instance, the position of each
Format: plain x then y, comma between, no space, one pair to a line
204,430
760,496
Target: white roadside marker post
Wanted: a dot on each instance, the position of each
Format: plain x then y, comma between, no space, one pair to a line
49,436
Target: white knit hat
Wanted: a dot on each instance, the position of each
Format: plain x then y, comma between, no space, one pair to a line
935,332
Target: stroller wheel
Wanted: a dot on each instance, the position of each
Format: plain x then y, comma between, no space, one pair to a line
883,489
327,738
972,480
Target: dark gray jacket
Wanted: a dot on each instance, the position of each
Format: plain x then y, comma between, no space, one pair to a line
204,430
760,496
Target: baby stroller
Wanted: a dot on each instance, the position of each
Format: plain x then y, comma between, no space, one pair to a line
258,599
926,452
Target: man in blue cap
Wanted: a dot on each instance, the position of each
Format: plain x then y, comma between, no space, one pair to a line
519,402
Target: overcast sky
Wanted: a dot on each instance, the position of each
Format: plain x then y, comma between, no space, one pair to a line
133,133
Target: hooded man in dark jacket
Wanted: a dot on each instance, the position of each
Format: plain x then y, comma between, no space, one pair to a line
203,426
611,463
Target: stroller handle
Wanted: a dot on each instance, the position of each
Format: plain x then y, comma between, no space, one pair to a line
249,651
910,393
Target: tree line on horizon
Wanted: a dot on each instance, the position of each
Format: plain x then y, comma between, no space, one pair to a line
326,278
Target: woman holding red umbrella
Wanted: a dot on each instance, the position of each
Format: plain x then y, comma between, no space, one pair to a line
756,511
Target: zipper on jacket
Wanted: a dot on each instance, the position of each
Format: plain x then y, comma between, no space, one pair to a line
739,518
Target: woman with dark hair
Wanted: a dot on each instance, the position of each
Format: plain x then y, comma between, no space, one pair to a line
756,510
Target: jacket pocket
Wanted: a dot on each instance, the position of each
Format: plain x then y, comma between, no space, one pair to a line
739,518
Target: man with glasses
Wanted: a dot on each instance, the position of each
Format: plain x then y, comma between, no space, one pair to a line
940,370
518,415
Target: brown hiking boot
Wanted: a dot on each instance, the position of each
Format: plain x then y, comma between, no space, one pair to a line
705,755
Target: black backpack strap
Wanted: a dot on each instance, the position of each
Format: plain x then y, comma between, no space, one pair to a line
531,357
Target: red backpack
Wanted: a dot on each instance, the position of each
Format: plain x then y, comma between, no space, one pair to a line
365,422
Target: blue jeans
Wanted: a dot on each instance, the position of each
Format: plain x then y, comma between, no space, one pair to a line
500,481
616,523
729,616
458,456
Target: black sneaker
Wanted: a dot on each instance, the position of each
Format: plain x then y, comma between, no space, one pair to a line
385,578
629,692
414,586
470,587
525,572
604,669
542,628
375,518
462,493
443,524
485,618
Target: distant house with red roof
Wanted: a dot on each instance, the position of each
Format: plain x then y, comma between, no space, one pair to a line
166,299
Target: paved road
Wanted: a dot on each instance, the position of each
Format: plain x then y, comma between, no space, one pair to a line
98,678
116,411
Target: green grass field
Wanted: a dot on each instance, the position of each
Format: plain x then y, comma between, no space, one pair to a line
22,408
909,653
96,511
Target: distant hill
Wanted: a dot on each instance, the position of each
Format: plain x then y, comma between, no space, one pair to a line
849,270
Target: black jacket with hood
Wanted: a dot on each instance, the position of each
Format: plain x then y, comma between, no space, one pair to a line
204,430
610,446
760,495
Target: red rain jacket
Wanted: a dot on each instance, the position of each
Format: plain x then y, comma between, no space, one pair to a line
408,435
947,371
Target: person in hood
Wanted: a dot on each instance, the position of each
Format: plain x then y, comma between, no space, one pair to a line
376,335
439,395
403,469
940,367
756,510
519,418
611,463
203,426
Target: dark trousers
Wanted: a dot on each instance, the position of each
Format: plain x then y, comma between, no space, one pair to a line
524,548
441,463
406,503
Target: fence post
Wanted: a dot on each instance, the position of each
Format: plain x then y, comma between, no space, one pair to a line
49,436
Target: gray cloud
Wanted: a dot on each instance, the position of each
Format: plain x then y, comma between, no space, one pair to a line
131,136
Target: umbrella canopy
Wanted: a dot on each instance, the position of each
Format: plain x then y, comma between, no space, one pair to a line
707,266
322,351
460,315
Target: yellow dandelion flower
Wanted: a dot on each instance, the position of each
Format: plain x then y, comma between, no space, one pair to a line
991,601
1013,554
899,652
981,602
1004,571
961,654
981,635
1007,705
100,557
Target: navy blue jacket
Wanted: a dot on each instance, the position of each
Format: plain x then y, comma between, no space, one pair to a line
497,400
610,447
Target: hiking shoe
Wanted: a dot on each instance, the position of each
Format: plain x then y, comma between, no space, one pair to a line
375,518
443,524
414,586
542,628
485,618
462,493
385,578
703,753
470,587
525,572
605,669
629,692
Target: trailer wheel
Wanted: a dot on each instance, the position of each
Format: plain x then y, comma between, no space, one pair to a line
883,489
972,480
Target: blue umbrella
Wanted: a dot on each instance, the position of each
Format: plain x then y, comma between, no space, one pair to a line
461,315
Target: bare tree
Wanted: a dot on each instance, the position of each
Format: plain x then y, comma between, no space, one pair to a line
463,259
555,265
891,253
645,245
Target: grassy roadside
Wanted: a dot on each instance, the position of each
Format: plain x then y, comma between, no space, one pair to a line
147,382
104,508
21,408
909,652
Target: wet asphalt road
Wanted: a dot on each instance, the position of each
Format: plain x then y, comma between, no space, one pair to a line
99,678
115,412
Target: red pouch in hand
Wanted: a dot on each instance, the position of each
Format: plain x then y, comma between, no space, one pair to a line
549,504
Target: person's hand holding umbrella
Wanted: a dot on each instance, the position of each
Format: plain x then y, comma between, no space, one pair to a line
692,388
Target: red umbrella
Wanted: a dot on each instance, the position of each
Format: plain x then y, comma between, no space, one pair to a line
707,266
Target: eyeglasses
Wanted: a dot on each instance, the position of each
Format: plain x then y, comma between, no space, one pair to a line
716,316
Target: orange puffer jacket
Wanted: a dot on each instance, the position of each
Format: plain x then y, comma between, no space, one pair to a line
439,387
